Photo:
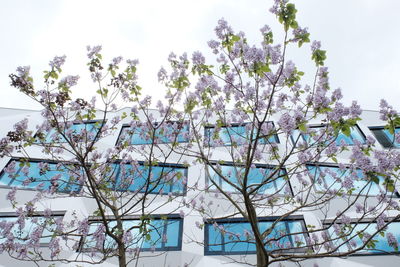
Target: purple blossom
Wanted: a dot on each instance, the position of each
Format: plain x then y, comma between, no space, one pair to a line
182,214
92,51
298,32
359,208
380,222
132,62
316,45
213,45
54,247
70,80
162,75
117,60
223,29
10,168
21,126
57,62
337,94
392,241
11,194
198,58
355,110
265,29
23,71
386,110
287,123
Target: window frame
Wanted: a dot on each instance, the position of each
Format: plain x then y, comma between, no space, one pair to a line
207,138
110,218
366,221
316,126
36,160
39,142
393,144
208,252
127,125
58,213
258,166
166,165
395,194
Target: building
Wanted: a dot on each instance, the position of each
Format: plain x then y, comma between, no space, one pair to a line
183,237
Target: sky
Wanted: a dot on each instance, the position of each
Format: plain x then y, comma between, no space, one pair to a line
360,36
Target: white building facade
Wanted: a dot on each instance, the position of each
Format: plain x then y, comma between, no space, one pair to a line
183,237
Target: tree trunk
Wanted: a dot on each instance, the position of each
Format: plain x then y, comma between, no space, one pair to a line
262,254
122,255
262,261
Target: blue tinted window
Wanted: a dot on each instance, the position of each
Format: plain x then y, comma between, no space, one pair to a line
166,133
156,234
333,178
22,231
352,239
236,237
61,177
163,178
267,178
85,131
234,135
316,138
384,137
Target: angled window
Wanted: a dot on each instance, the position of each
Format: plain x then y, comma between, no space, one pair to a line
322,135
77,130
264,179
41,175
355,235
161,233
384,137
159,179
169,132
331,177
28,229
234,236
237,134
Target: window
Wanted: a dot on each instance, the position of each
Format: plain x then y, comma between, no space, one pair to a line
319,135
384,137
79,131
236,134
41,175
269,179
162,233
331,177
234,236
22,231
169,132
352,236
160,179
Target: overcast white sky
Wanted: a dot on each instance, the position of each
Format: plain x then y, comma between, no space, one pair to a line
361,36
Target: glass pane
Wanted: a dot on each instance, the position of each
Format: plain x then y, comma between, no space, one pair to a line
214,238
344,138
150,236
22,230
153,179
167,133
171,237
356,135
257,177
238,238
42,175
238,135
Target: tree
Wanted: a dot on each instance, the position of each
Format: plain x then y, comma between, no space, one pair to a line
266,166
264,187
131,187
